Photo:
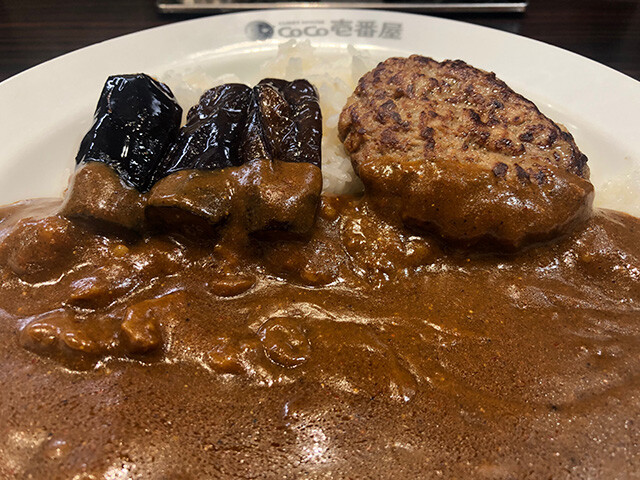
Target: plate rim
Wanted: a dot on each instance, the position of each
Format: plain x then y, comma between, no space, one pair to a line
252,13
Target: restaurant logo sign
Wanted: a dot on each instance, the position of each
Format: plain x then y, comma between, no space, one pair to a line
259,30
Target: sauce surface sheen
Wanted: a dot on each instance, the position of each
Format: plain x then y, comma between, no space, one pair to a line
362,351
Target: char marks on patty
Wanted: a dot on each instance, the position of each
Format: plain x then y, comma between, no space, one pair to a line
457,151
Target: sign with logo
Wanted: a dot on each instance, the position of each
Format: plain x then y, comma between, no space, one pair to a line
260,30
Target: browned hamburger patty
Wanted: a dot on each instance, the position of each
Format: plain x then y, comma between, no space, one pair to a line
451,148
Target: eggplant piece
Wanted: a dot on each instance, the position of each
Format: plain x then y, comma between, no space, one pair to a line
254,144
276,120
210,139
238,150
284,123
308,118
136,120
233,124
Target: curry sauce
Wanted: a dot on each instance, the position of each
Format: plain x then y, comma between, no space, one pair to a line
360,351
195,308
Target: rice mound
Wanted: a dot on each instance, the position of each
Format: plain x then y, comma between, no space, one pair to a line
335,76
622,191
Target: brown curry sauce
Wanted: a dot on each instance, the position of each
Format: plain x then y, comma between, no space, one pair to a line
359,350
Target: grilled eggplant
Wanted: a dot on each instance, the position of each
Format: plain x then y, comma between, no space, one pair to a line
255,131
284,123
136,120
248,153
210,138
233,124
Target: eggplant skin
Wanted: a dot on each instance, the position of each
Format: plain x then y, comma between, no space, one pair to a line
210,138
136,128
303,98
288,117
234,124
136,120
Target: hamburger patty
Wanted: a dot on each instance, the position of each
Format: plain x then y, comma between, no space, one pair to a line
451,148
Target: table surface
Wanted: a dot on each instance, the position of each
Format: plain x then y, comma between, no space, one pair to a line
32,31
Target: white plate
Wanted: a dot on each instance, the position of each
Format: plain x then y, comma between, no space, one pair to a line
47,109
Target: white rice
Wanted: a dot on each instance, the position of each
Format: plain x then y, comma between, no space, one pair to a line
621,192
334,76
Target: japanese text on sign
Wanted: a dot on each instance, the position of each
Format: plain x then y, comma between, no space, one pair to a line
343,28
